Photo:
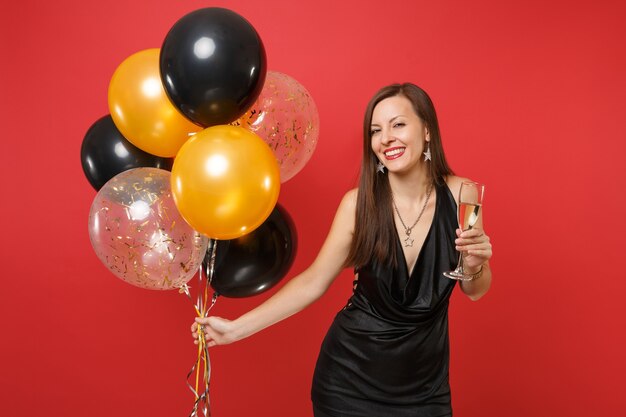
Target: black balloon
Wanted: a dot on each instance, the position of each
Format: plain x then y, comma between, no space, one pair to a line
255,262
213,65
105,153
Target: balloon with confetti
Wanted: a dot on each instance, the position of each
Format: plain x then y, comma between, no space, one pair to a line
286,118
139,235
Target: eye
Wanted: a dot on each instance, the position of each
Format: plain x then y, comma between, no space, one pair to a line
374,131
399,124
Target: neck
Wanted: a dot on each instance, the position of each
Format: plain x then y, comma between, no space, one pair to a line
412,186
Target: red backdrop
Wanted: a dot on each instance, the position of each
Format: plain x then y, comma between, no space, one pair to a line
530,97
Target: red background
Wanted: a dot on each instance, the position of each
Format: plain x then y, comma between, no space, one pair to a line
530,97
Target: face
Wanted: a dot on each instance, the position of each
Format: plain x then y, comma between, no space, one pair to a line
398,135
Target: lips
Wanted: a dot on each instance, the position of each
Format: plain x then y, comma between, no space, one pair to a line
393,153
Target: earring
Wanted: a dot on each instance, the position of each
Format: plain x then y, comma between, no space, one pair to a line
427,153
380,167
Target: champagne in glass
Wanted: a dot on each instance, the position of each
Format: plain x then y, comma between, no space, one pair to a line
470,201
468,215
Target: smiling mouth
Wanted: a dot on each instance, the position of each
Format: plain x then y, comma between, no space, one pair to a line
394,153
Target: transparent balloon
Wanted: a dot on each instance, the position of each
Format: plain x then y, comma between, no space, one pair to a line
137,232
285,117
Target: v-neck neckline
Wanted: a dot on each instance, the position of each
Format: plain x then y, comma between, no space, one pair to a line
409,273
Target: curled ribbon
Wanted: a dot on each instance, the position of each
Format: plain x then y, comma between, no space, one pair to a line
202,367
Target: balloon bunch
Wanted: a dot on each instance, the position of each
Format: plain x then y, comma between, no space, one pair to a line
205,107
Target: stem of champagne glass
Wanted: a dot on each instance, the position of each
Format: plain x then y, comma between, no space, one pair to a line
459,265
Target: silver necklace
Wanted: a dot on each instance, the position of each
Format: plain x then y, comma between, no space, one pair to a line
408,242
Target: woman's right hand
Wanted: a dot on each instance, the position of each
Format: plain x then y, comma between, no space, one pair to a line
217,331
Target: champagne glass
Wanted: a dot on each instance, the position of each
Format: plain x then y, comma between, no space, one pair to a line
470,201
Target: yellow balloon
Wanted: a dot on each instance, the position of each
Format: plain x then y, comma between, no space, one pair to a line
141,110
225,181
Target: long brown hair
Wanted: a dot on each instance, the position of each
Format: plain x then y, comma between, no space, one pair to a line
374,234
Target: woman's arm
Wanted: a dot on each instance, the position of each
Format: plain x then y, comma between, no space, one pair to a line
475,248
299,292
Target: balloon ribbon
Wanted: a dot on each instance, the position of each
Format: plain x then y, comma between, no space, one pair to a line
201,369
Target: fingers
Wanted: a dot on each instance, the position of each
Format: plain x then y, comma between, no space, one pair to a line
195,327
473,242
473,249
472,236
210,343
211,335
480,253
207,333
476,232
212,328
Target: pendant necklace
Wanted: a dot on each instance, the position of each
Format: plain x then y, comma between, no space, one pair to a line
408,242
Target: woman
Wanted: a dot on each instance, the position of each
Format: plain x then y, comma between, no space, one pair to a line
387,351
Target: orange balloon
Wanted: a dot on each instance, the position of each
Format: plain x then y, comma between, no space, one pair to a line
225,181
141,110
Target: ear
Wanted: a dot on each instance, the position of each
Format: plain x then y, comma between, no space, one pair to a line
427,134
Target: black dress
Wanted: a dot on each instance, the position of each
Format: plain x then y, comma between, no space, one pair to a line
387,351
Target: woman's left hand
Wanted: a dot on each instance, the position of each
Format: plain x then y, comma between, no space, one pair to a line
475,247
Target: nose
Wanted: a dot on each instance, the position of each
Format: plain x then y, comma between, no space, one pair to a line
386,137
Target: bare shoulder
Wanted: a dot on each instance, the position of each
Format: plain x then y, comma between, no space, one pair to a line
348,203
342,228
350,197
454,184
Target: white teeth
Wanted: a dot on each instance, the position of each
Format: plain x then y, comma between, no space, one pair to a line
394,152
